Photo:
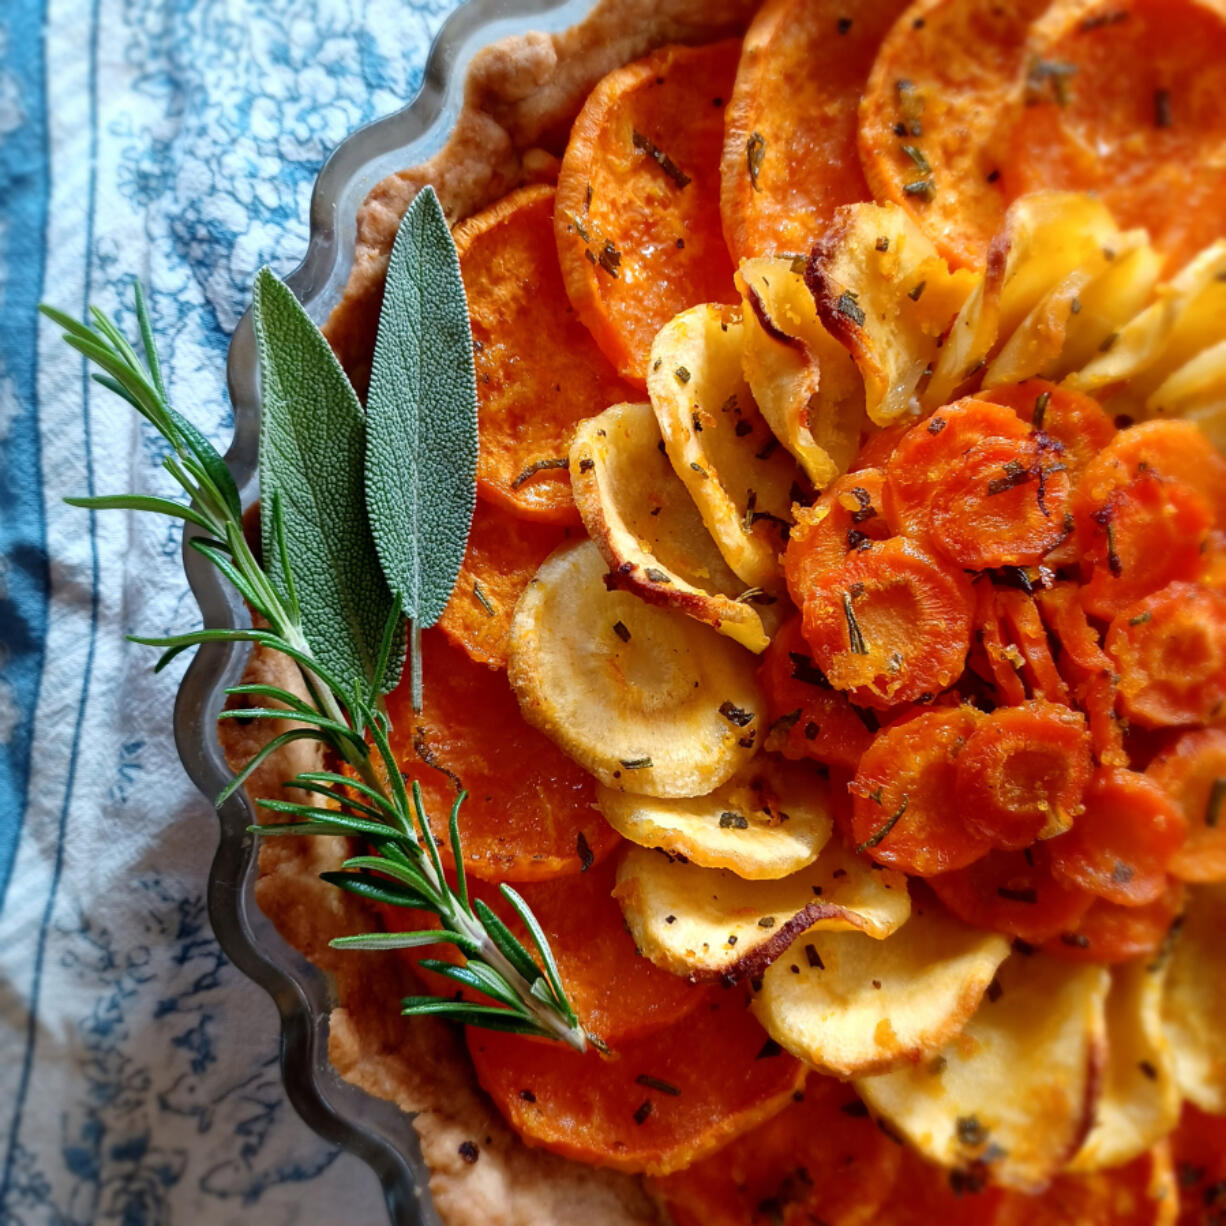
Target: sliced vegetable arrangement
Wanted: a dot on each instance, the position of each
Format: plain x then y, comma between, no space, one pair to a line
838,656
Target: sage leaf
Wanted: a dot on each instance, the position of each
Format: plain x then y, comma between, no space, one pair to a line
421,428
312,448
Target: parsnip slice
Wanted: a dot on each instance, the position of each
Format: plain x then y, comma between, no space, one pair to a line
718,442
884,293
1195,1001
855,1005
648,529
647,700
1048,238
805,383
1140,1100
708,923
767,821
1017,1089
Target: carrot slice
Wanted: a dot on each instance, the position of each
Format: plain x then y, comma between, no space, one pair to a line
1119,848
943,90
1098,697
809,718
878,447
929,450
538,370
1136,538
1125,100
890,625
1065,618
820,1159
637,224
1014,892
503,554
1199,1148
1022,773
925,1194
1074,420
1136,1194
847,518
1020,617
1193,774
1109,933
1003,504
901,813
790,156
1002,658
664,1102
1170,652
530,813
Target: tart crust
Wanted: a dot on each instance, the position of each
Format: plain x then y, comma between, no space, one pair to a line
521,95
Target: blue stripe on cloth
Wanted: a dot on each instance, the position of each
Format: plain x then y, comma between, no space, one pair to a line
23,1087
23,584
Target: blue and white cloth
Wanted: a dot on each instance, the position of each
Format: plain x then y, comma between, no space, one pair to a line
176,141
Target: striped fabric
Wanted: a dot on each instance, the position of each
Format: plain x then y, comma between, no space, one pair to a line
176,141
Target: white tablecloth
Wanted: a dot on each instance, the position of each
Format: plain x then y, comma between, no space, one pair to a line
176,141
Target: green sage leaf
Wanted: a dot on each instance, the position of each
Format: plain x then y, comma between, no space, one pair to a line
421,438
312,448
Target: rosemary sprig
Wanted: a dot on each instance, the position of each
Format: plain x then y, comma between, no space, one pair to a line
403,865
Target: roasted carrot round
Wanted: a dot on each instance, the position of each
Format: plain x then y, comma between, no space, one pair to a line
1014,892
1003,504
1024,628
1193,773
538,370
809,717
1170,652
1022,773
821,1159
1137,538
890,625
790,156
1175,450
925,1194
1125,100
848,518
929,450
530,811
660,1104
1080,644
902,815
1075,421
1109,933
1198,1146
996,657
1120,847
503,553
942,94
637,221
1098,697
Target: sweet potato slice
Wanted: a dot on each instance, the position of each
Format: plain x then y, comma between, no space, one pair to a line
637,220
804,382
1195,1000
943,91
790,154
530,812
503,553
648,529
821,1159
1140,1101
767,821
1023,1078
538,370
660,1104
854,1005
885,294
743,483
711,924
662,706
1125,99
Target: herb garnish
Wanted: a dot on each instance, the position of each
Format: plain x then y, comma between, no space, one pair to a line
1213,809
882,831
735,715
848,305
636,764
347,638
733,821
665,163
482,598
539,466
654,1083
755,153
1162,109
1041,401
855,636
